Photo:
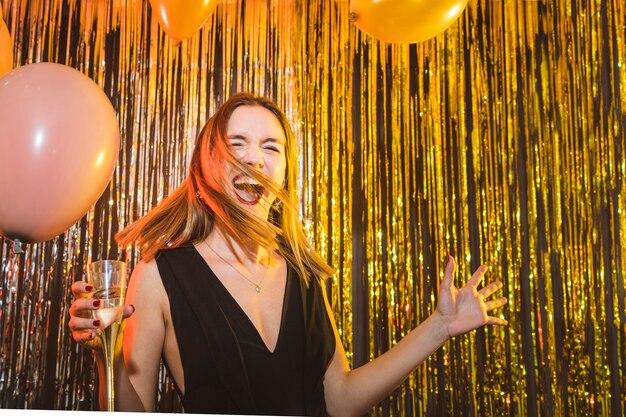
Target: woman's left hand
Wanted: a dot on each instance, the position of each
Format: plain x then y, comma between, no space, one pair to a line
465,309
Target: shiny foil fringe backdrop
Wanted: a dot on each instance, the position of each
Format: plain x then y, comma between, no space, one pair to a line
501,141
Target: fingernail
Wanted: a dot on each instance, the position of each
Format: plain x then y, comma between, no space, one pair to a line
133,307
96,303
92,335
88,288
96,323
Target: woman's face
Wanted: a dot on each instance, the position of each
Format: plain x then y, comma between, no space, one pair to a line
257,138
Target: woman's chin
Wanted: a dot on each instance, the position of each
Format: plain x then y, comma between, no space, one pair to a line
257,209
255,204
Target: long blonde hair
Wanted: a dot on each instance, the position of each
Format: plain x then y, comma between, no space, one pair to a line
190,213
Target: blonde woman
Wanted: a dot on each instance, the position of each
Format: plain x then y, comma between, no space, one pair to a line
228,291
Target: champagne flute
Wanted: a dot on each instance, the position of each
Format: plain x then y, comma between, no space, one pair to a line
108,279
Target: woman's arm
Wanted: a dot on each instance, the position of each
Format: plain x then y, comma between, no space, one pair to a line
144,337
137,364
353,393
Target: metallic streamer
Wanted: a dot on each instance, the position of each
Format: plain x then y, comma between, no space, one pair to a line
500,141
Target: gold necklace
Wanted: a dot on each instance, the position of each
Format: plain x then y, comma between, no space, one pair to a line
257,286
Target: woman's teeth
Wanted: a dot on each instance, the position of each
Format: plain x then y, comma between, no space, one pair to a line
248,190
250,187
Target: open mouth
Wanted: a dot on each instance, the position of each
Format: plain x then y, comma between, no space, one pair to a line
248,190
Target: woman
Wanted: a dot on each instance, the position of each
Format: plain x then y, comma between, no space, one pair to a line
228,290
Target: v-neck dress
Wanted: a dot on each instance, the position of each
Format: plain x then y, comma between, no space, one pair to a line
227,366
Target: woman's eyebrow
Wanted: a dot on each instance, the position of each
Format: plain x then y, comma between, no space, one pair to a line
238,136
275,140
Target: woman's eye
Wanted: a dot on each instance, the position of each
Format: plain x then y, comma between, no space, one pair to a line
236,144
272,148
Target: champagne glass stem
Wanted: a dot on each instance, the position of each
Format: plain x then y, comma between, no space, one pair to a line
109,339
110,390
108,366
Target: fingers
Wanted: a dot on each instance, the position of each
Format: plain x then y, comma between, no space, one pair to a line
80,324
81,289
497,321
449,274
489,289
83,307
84,336
477,276
85,329
493,304
128,311
87,338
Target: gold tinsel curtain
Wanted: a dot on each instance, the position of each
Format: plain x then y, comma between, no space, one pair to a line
500,141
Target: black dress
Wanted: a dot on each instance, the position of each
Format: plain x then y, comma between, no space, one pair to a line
227,367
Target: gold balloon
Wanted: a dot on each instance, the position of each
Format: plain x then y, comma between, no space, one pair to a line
405,21
6,47
182,19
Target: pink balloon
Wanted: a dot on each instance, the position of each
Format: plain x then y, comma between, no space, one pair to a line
59,142
6,47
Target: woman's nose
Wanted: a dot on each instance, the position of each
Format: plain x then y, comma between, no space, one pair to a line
254,156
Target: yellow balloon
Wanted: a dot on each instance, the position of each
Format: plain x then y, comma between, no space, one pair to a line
181,19
405,21
6,47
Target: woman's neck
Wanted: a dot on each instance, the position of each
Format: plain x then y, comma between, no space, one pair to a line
231,249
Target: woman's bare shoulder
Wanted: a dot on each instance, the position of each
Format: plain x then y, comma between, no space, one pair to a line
145,282
146,270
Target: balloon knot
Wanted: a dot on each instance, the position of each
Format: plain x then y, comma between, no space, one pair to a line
17,247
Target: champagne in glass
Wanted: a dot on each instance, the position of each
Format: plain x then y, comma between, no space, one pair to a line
109,281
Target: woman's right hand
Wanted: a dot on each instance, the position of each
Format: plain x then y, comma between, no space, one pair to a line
85,328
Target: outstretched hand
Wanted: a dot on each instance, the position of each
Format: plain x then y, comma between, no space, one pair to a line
464,309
